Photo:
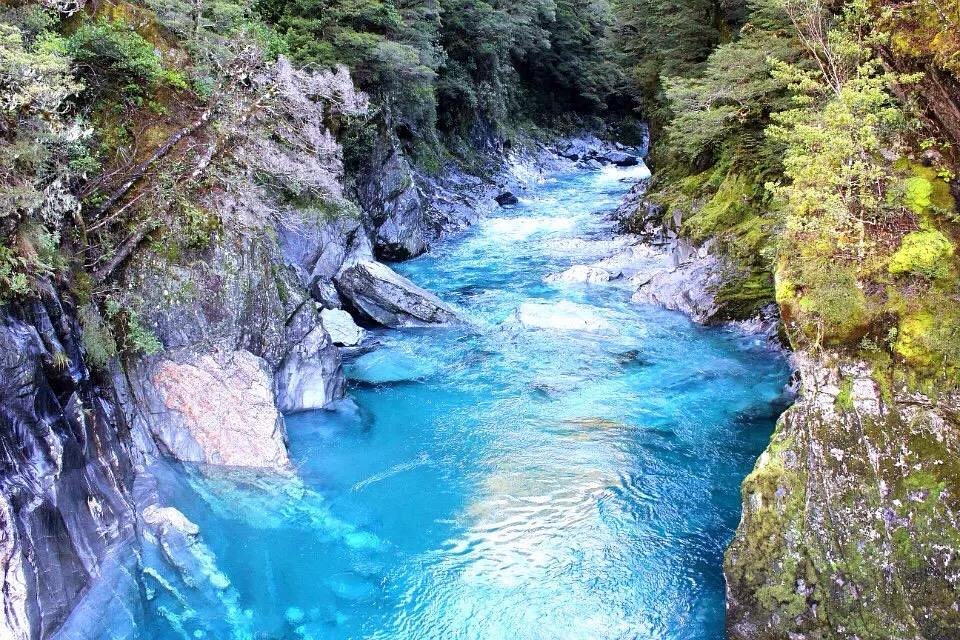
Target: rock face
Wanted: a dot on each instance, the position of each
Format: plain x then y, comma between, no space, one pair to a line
310,377
850,517
377,294
218,408
64,470
406,210
689,288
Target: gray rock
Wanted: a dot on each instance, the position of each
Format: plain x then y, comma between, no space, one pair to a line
342,329
621,159
506,199
378,295
311,376
689,288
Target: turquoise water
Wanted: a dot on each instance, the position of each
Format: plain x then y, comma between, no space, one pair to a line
496,482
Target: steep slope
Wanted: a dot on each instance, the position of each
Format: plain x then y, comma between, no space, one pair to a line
807,167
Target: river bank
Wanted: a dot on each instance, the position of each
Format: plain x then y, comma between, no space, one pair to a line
551,463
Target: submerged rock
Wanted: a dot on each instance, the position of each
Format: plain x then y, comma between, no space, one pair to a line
563,316
386,366
169,518
380,296
581,274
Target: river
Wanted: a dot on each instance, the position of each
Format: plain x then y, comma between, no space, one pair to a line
497,481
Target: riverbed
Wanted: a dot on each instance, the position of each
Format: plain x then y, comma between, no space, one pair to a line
500,480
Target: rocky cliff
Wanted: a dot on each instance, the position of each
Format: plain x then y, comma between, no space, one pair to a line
209,332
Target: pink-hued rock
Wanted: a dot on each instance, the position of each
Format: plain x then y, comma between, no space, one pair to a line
222,411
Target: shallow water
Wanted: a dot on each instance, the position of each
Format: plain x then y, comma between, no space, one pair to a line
496,482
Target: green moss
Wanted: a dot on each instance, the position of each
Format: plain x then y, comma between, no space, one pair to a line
924,253
97,339
743,297
918,194
833,308
731,204
844,399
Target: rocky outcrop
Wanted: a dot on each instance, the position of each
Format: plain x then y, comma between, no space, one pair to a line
380,296
689,288
850,517
310,377
64,470
216,408
406,210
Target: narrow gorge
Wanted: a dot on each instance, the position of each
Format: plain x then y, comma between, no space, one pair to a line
463,319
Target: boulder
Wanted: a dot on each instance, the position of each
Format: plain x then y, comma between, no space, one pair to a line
376,294
562,316
689,288
506,199
621,158
342,329
217,408
310,377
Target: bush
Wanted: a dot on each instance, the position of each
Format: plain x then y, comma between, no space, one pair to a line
923,253
112,58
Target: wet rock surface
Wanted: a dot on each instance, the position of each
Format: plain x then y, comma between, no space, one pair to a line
64,470
380,296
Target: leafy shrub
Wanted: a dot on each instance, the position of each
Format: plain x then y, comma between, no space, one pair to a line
923,253
98,341
112,58
137,338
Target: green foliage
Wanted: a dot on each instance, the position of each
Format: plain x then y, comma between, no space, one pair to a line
137,338
114,60
918,192
735,92
923,253
35,86
13,275
449,64
659,39
98,341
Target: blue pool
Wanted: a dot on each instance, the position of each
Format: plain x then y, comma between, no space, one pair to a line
497,482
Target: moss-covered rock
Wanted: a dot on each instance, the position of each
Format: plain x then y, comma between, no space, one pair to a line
850,517
924,253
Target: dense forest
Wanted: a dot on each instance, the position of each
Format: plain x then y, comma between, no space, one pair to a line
742,97
811,145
